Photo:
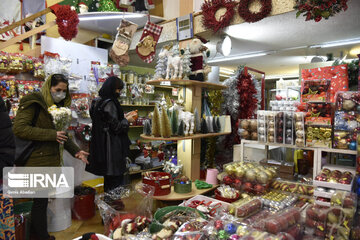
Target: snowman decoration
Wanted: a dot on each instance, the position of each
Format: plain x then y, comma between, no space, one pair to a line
83,8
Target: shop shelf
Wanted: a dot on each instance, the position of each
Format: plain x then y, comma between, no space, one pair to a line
195,136
181,82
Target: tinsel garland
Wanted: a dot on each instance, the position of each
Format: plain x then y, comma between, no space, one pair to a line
215,99
67,21
241,100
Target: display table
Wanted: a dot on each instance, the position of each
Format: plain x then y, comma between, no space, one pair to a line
173,196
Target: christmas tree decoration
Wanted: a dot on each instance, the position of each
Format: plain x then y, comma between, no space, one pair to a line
204,128
181,129
215,127
316,10
160,68
147,45
67,21
120,49
155,128
165,124
209,10
186,62
174,122
107,6
147,127
197,121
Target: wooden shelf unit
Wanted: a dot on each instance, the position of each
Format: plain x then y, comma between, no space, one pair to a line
189,148
187,83
146,170
195,136
173,196
317,152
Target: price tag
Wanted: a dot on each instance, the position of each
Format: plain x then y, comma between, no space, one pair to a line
175,92
165,83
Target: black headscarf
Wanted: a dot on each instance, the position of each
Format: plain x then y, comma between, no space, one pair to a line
108,91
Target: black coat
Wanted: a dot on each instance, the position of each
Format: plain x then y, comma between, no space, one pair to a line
110,143
7,140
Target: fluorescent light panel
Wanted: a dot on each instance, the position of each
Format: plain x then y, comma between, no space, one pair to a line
337,43
237,57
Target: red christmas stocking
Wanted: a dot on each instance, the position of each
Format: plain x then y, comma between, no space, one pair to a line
146,48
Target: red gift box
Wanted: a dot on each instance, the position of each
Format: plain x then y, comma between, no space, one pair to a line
337,74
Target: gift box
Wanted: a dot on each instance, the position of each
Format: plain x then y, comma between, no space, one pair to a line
319,114
315,91
160,180
337,74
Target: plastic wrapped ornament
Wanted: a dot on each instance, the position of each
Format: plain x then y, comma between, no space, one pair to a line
230,228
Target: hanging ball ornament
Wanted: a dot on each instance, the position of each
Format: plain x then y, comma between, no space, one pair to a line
223,235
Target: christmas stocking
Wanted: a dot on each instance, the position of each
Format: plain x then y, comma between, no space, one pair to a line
147,46
120,49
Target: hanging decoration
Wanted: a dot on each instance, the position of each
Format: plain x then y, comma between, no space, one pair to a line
241,91
147,46
209,9
316,10
107,6
67,21
248,16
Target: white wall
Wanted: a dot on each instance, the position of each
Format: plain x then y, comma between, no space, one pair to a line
197,5
171,9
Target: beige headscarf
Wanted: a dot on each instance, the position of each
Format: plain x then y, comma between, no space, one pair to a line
45,91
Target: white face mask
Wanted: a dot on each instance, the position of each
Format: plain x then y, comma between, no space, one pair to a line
58,96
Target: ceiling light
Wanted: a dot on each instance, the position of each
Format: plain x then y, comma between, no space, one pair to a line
355,51
226,70
224,46
236,57
336,44
107,16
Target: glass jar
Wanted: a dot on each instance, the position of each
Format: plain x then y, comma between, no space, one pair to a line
124,76
140,79
135,78
130,77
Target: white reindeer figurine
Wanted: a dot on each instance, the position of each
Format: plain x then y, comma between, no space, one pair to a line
187,117
174,67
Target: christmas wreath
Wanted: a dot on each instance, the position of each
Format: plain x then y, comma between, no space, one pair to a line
315,9
209,9
67,21
248,16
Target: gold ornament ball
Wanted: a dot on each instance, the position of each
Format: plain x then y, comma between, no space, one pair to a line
250,175
244,134
245,124
262,178
254,136
348,105
239,172
253,125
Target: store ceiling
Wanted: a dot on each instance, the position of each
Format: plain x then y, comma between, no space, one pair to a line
289,40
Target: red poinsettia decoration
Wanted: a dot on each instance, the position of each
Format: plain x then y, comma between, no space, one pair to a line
319,9
67,21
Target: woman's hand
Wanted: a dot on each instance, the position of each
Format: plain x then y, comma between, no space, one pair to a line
82,155
61,137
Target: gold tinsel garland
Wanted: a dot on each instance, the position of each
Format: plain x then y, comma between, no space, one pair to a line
215,98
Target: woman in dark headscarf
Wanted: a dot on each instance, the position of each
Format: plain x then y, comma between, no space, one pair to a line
109,142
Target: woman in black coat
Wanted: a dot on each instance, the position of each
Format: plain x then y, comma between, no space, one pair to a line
110,143
7,140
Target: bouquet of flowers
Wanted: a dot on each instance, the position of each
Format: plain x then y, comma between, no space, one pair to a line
61,118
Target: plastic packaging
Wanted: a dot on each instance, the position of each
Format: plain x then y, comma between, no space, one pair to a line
248,129
261,121
279,127
315,90
289,125
126,203
248,208
318,136
299,129
270,126
348,101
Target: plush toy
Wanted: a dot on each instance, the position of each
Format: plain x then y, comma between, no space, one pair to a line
199,54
